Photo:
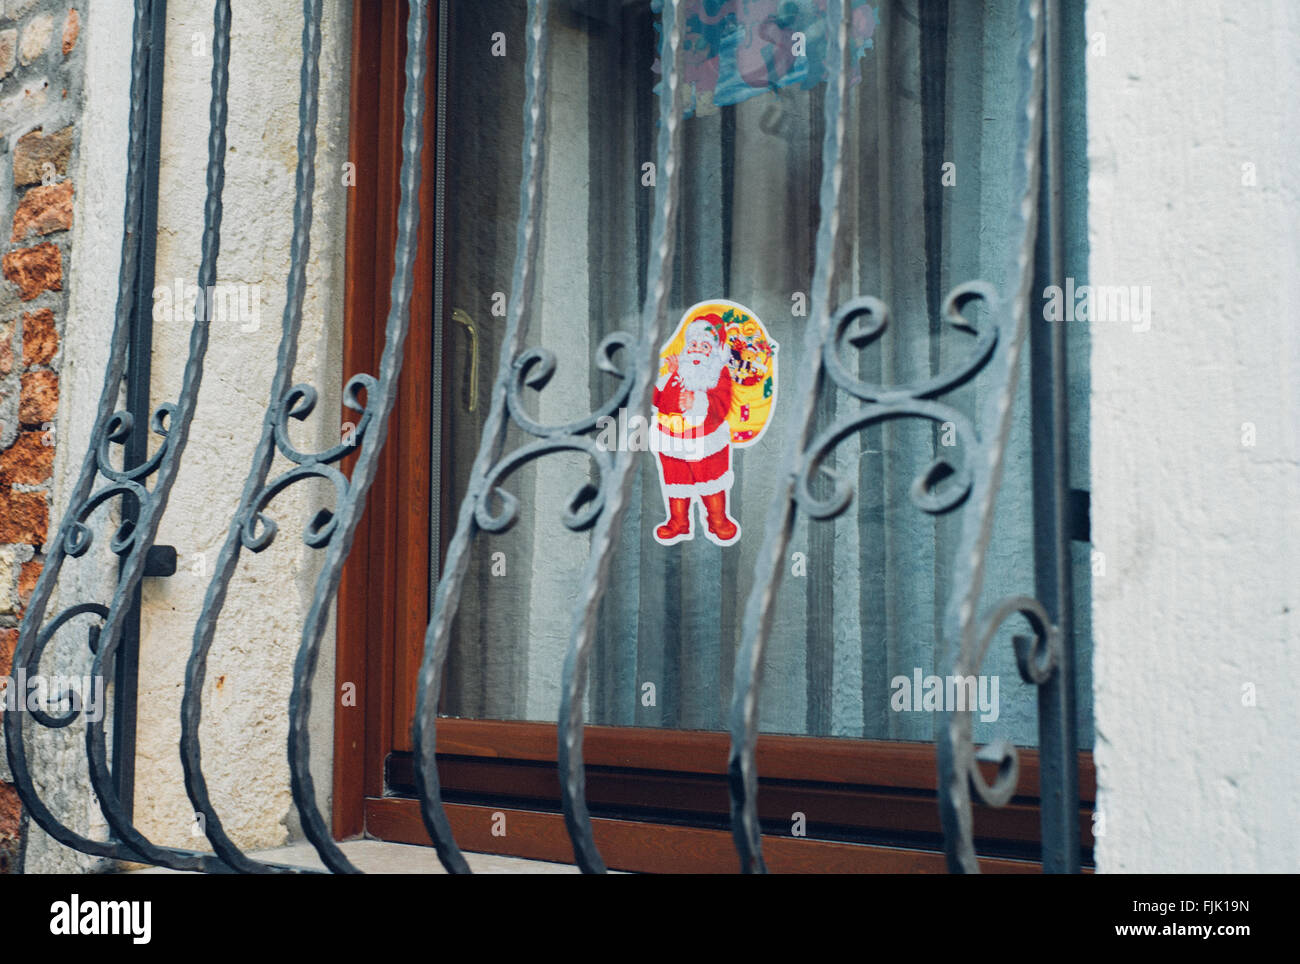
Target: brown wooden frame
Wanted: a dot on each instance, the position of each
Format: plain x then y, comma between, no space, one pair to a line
383,597
879,794
872,804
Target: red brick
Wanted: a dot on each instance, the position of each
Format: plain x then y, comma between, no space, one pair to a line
35,269
8,640
71,27
40,338
27,577
24,517
39,401
11,809
29,461
44,210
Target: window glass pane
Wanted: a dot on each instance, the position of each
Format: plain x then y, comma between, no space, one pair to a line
861,601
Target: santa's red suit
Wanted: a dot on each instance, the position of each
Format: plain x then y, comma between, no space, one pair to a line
694,450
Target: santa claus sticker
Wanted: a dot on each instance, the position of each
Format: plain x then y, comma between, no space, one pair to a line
716,391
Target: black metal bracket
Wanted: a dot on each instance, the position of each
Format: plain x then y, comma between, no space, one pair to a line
138,380
1080,509
160,561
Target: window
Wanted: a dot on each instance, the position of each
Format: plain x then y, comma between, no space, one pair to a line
927,205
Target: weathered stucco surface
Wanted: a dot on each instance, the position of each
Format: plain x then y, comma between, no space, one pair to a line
249,673
1194,133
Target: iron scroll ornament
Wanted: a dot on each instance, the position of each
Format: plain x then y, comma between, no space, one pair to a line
940,488
534,369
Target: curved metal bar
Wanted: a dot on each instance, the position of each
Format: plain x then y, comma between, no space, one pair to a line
152,508
119,429
26,660
1037,658
300,401
535,367
923,492
955,756
29,633
583,506
977,479
897,401
877,312
319,530
770,563
46,634
77,537
447,598
284,403
379,403
573,682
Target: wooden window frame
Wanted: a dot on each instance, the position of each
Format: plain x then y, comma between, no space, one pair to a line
658,797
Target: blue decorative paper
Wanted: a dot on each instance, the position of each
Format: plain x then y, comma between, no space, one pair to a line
737,49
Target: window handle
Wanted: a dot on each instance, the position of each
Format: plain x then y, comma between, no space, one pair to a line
461,317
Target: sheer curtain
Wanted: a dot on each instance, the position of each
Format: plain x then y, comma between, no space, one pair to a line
862,596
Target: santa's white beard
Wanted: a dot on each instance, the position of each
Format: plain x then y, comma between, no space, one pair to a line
701,377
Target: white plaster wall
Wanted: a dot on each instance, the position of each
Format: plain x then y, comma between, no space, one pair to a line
1201,533
245,722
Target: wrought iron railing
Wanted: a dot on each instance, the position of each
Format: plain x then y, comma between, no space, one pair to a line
487,508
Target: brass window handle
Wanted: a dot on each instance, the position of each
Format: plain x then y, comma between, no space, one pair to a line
461,317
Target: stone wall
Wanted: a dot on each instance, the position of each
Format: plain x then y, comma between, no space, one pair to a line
40,96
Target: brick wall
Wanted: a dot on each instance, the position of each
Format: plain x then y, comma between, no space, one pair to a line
40,94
